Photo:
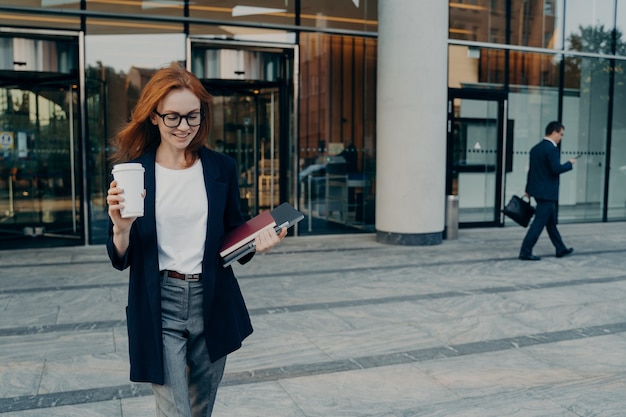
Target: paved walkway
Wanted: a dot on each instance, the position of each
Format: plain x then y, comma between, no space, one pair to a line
345,326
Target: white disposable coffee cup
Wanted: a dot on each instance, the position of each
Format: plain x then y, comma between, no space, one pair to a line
129,177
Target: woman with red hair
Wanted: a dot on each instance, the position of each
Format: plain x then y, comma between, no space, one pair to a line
185,310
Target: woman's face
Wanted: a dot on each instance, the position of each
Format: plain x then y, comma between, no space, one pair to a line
177,103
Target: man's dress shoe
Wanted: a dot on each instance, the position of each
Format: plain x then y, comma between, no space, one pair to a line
566,252
530,257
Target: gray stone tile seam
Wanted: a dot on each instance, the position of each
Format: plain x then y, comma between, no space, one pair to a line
348,249
105,259
92,395
63,327
244,276
31,290
75,397
432,296
106,324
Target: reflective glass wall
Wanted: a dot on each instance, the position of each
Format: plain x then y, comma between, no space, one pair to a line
555,60
258,102
617,144
114,79
337,132
40,164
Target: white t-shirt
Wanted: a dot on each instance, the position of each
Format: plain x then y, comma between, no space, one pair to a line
181,218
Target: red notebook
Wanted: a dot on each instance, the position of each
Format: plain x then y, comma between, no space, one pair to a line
246,232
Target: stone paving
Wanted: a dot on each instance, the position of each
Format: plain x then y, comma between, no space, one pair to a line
345,326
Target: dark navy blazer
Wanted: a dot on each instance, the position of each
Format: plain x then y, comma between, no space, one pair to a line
226,318
545,168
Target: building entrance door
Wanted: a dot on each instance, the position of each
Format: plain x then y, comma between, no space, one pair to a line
254,111
38,190
475,163
39,142
246,126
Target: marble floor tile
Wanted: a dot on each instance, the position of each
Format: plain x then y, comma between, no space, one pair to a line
588,357
99,409
4,302
572,316
55,345
374,340
78,372
94,305
521,403
378,315
553,297
120,340
304,322
139,407
280,350
474,305
365,392
460,330
308,289
602,396
495,372
38,313
20,378
256,400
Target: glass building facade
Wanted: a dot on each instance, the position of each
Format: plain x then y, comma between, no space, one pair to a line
294,84
513,67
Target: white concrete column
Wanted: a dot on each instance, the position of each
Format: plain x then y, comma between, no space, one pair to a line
411,121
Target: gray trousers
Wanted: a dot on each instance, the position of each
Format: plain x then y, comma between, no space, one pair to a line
191,380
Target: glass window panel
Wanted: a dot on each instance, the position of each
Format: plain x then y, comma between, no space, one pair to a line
337,133
114,78
26,53
585,110
278,12
533,102
43,4
588,25
475,67
39,123
242,33
620,19
482,22
533,70
617,179
39,192
537,23
474,158
346,14
142,7
39,20
122,27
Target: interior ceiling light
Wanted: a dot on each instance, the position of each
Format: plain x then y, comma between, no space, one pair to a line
252,10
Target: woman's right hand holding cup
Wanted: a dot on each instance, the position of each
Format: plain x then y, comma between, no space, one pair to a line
121,225
115,200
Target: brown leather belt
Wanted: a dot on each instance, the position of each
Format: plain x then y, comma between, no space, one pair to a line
183,277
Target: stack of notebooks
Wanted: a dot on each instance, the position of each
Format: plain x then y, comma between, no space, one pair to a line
240,241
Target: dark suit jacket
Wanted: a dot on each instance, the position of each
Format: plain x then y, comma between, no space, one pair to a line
545,168
225,315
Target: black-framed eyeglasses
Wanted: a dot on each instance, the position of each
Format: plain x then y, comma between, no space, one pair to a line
193,119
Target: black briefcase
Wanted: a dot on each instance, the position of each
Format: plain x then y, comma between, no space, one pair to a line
519,210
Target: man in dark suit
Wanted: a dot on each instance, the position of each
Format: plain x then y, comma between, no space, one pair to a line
543,185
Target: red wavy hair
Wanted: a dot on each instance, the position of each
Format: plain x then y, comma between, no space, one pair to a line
139,135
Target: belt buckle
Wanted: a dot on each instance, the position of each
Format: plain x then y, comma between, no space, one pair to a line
192,277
